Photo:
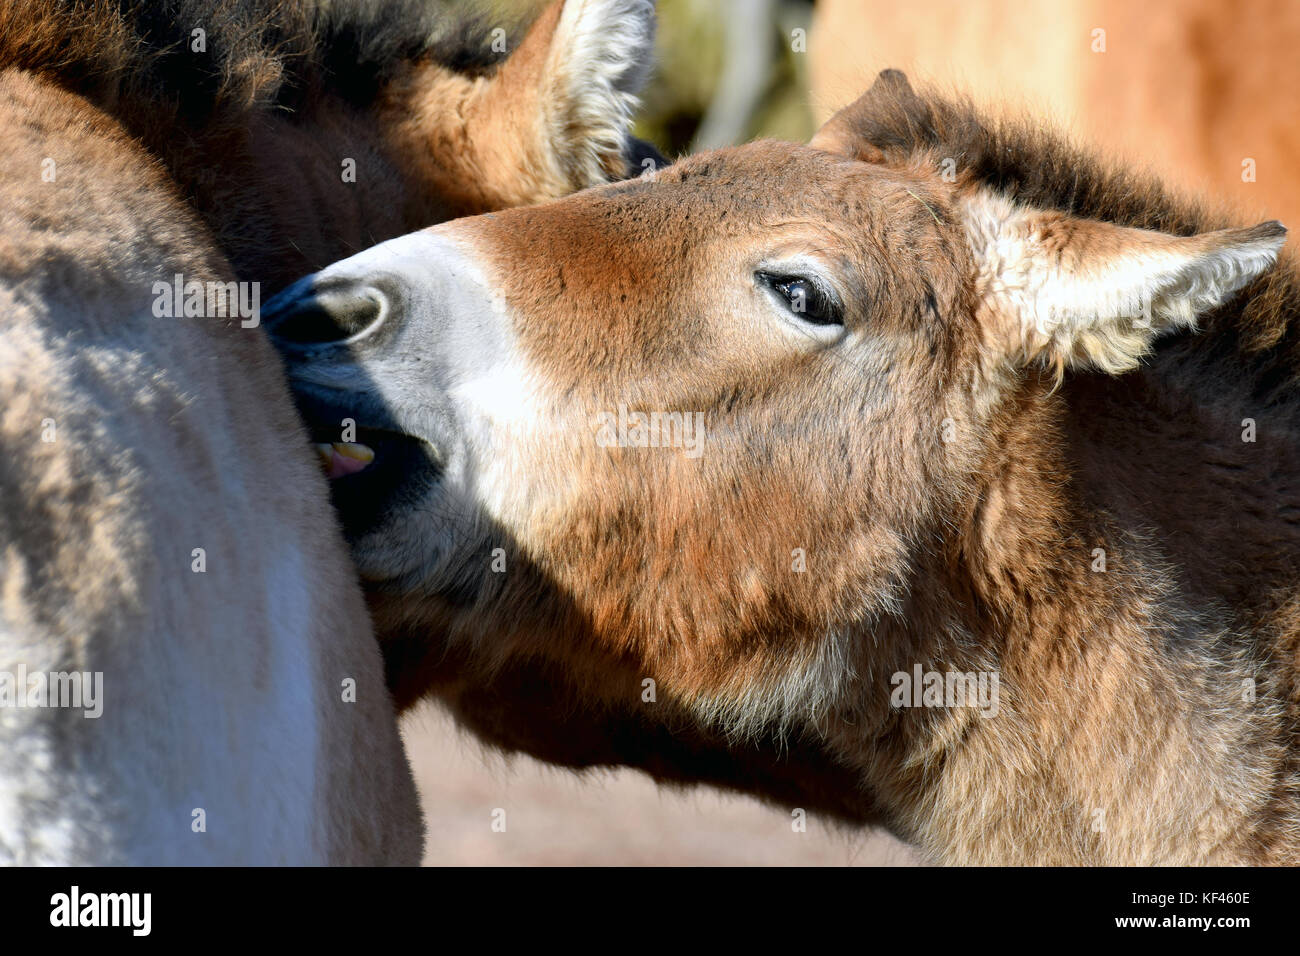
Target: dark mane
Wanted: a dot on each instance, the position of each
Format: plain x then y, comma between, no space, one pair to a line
266,64
134,56
1257,334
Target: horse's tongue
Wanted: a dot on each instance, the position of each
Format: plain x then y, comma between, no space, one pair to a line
344,458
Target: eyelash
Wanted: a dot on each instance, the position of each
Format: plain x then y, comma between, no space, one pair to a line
819,308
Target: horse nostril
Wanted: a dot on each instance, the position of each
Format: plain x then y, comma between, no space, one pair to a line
307,314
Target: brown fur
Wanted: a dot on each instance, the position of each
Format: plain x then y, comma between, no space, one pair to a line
1124,735
228,688
1188,88
158,450
255,129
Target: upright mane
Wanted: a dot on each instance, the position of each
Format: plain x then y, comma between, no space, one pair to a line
1037,166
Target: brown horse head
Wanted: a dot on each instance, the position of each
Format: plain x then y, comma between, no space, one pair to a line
696,472
305,131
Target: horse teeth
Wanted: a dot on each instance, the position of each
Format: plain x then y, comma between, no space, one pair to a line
342,458
354,450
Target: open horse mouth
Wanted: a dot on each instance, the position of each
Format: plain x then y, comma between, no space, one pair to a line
405,373
377,471
343,458
374,465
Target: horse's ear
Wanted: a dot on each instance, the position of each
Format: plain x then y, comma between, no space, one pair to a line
567,94
554,118
848,131
1073,292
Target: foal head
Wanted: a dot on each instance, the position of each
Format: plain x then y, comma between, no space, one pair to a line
724,428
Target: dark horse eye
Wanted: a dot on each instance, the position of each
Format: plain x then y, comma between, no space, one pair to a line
804,297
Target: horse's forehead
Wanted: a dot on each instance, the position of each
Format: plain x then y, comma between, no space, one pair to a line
758,177
743,196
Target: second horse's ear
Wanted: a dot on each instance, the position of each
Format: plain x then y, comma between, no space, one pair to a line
574,80
554,118
848,132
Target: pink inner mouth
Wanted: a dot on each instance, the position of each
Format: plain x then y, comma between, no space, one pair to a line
341,459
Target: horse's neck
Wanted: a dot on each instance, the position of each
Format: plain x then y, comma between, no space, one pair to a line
288,197
1205,471
1128,707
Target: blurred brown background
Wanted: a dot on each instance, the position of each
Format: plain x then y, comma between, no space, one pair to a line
1190,88
607,818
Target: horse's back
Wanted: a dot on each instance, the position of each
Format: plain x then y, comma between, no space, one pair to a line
166,536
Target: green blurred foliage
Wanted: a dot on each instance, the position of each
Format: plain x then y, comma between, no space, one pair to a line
689,53
690,49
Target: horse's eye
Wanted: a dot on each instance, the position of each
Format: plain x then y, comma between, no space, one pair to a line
804,297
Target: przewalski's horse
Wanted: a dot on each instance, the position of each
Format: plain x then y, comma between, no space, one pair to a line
169,563
308,130
975,537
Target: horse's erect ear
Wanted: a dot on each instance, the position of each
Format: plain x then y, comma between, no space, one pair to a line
569,91
846,133
1076,292
555,117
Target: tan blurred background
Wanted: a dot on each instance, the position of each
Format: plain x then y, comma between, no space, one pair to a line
610,818
1191,88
